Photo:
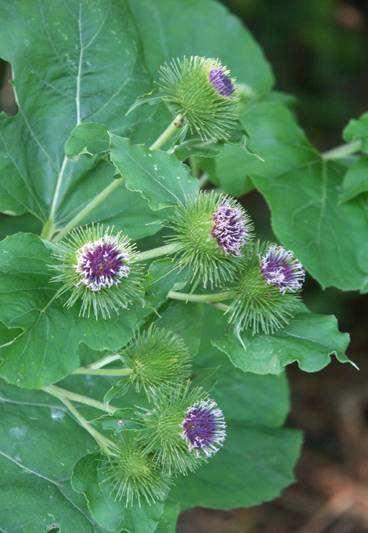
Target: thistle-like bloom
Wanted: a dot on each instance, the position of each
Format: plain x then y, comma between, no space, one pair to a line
258,306
132,475
162,428
211,231
203,92
157,357
221,81
230,228
204,428
102,263
280,268
95,267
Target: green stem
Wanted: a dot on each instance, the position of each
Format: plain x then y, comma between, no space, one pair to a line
200,298
203,180
343,150
95,202
103,371
58,392
48,230
105,444
105,361
167,249
172,128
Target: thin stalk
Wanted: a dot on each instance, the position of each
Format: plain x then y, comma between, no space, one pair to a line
95,202
58,392
200,298
103,371
105,444
343,151
167,249
105,361
203,180
170,131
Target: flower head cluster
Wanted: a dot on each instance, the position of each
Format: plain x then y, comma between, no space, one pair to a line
204,427
203,92
280,268
94,266
211,231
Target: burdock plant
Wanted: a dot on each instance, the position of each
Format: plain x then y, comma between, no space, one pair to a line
87,310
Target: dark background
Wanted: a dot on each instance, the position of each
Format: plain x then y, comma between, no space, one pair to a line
319,53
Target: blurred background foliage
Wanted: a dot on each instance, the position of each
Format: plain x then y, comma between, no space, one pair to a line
319,53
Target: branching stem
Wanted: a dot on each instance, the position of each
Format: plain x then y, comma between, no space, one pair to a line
170,131
58,392
105,444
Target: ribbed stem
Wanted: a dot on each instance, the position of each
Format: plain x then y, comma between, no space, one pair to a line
105,361
200,298
170,131
83,213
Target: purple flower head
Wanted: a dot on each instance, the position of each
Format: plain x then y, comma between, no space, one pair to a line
221,81
204,427
280,268
102,263
230,228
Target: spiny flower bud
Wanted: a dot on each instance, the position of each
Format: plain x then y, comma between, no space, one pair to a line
132,474
162,433
258,305
203,92
211,230
204,428
156,357
280,268
94,266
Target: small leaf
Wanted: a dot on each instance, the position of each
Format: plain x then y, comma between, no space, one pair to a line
356,180
161,179
357,130
87,138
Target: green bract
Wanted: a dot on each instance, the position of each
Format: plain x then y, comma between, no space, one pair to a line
186,87
132,474
156,357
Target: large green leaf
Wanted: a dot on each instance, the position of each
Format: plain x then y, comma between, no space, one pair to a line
36,462
42,353
302,191
88,61
357,130
309,340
